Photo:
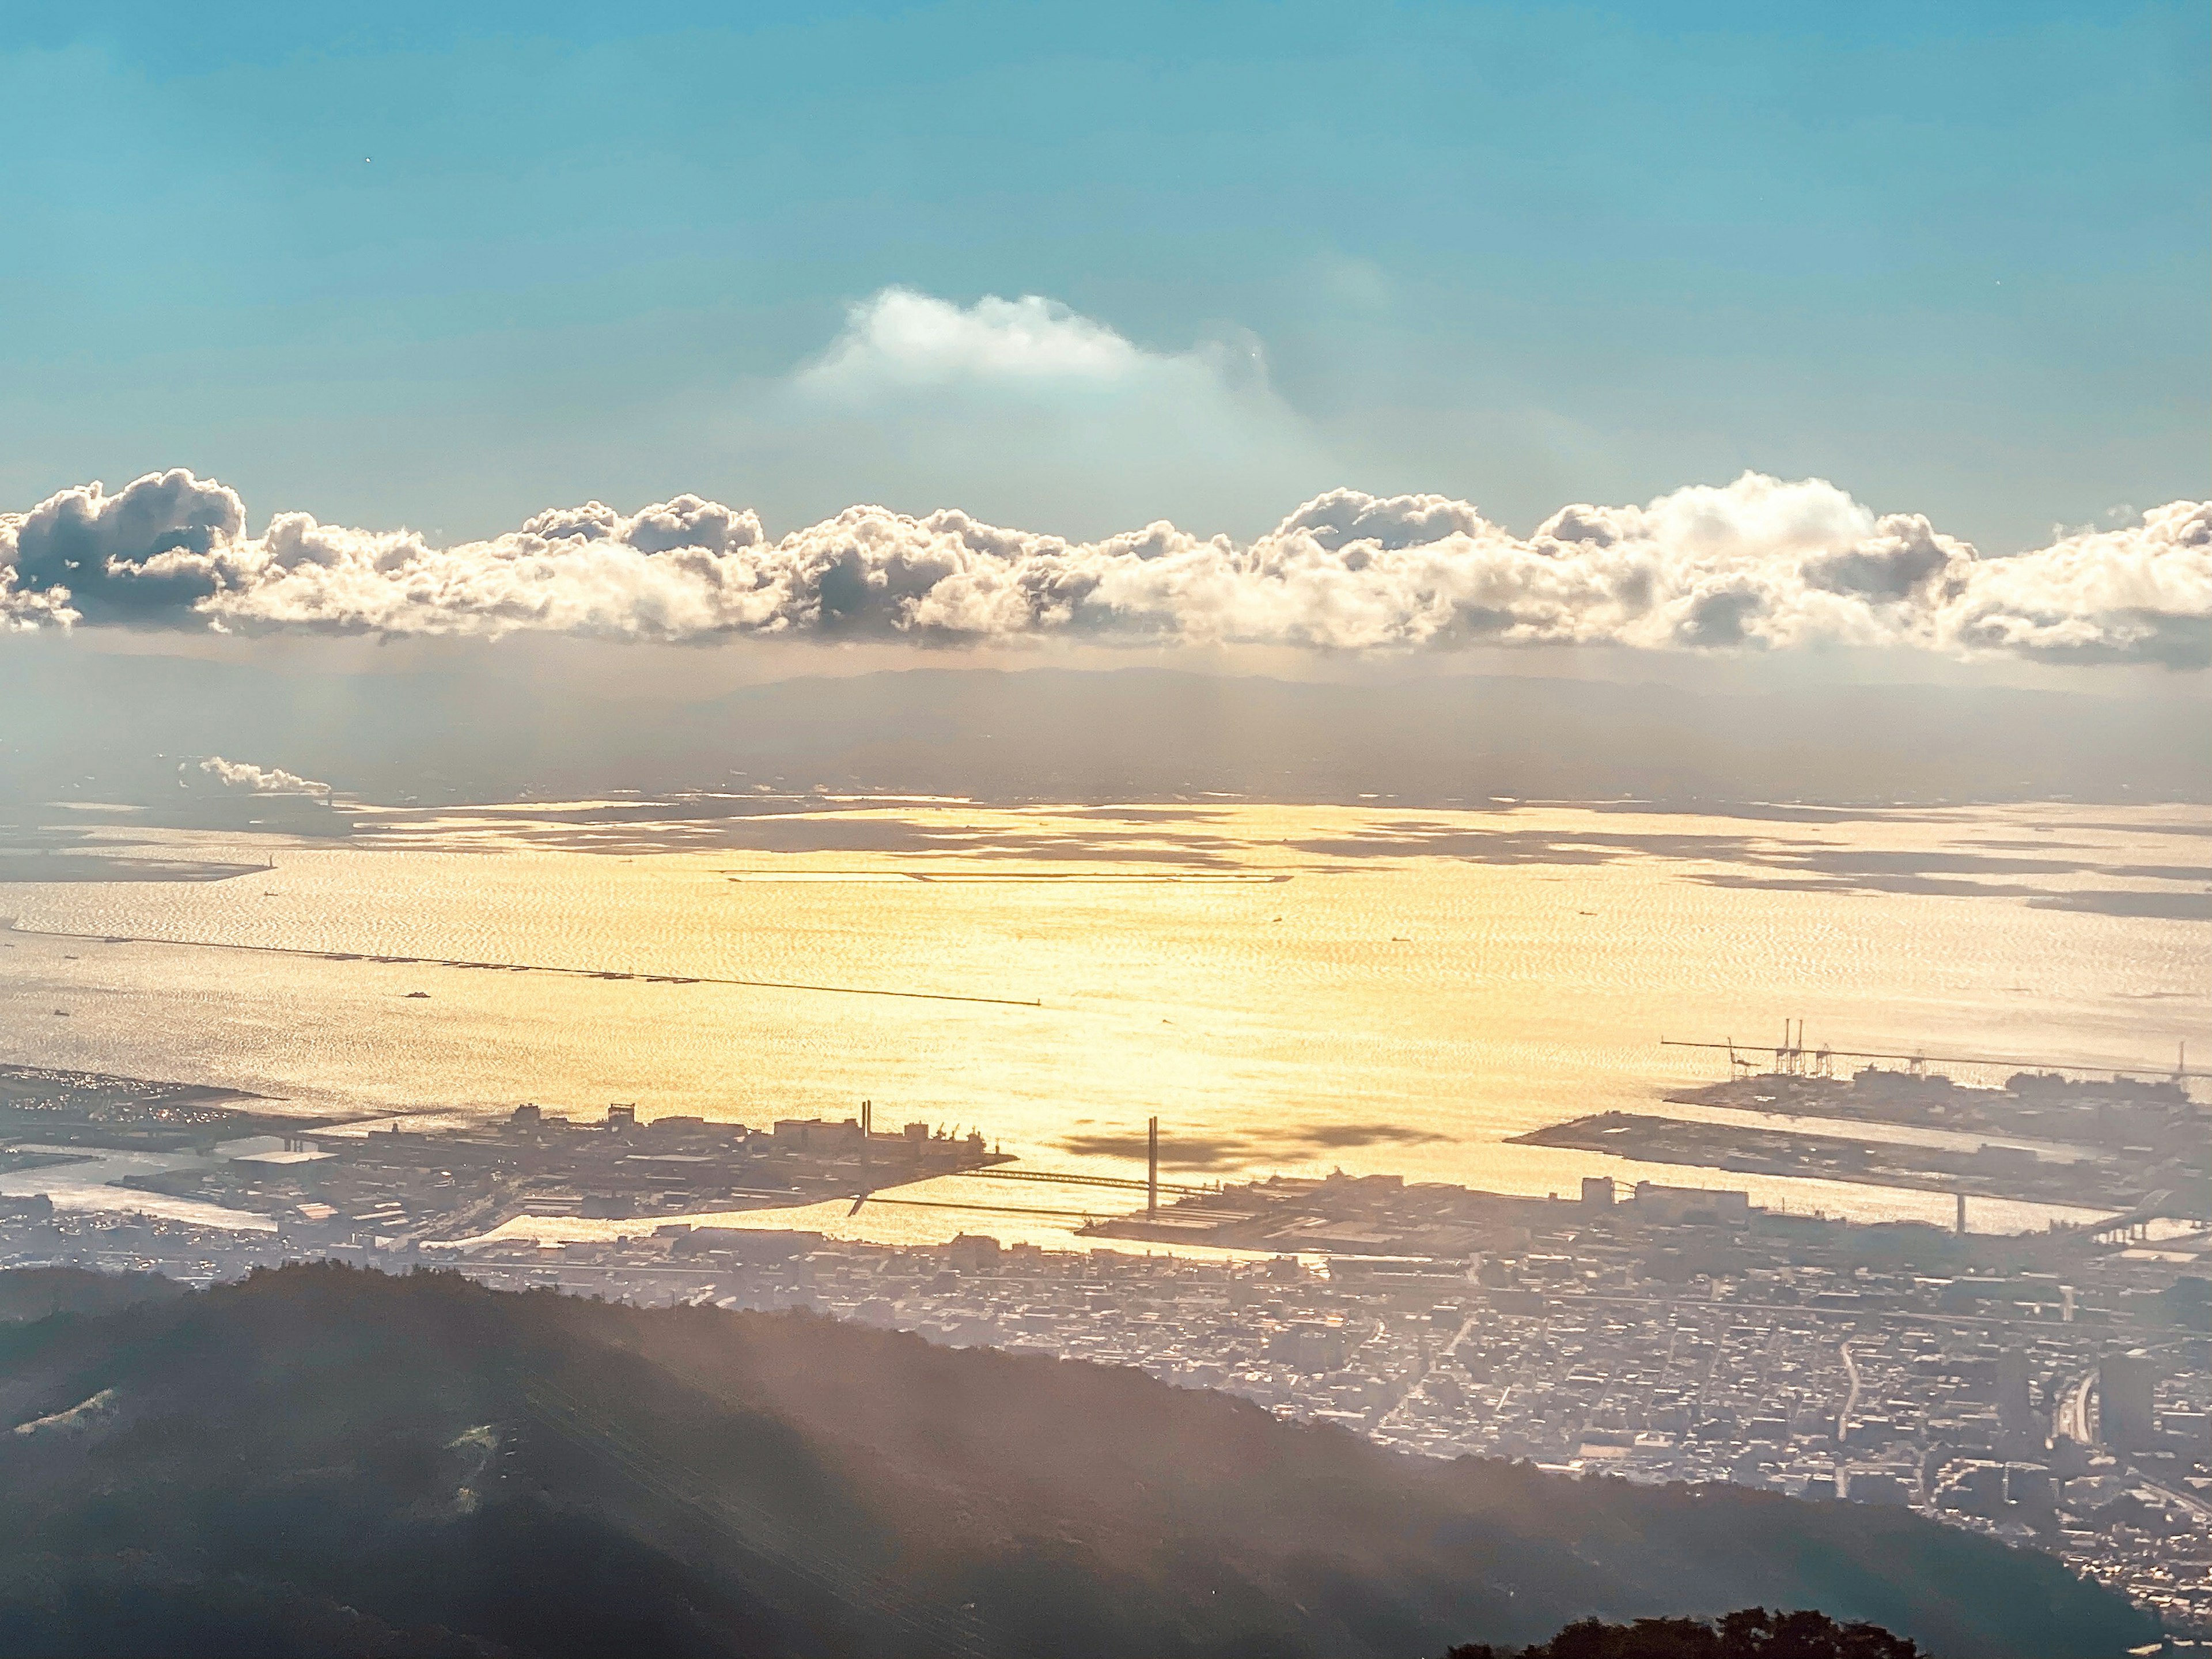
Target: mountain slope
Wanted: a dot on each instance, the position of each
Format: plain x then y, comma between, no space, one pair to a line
422,1462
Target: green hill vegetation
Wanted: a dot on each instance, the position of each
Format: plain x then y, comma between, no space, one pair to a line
330,1461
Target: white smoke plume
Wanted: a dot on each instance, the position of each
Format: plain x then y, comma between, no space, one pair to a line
245,778
1760,563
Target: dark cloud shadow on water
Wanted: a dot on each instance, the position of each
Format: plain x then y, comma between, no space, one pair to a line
1750,811
1796,867
1422,838
1168,838
2162,907
1147,814
1210,1151
635,828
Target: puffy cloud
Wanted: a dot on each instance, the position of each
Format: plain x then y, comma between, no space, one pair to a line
1055,417
1760,563
163,543
242,777
2143,594
1343,516
900,338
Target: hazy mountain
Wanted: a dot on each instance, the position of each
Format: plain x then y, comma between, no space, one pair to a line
117,727
327,1461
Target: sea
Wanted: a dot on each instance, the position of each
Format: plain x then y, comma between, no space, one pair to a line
1288,989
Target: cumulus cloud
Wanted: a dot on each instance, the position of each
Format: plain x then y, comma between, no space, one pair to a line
901,338
1052,417
165,544
1762,564
242,777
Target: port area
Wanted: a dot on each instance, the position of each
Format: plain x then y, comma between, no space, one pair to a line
1987,1171
328,1183
2146,1118
2115,1145
1337,1215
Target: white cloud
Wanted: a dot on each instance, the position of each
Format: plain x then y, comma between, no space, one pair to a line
2144,591
902,339
167,541
1760,563
1032,412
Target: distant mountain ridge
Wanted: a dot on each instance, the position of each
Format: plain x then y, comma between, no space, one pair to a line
115,728
328,1461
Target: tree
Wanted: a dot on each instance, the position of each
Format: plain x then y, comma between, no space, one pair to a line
1748,1633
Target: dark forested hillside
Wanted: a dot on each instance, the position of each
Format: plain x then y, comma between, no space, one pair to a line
329,1461
34,1292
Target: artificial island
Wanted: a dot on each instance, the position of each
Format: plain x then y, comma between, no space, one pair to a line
333,1183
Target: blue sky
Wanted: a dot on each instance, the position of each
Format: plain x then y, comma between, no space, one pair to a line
401,265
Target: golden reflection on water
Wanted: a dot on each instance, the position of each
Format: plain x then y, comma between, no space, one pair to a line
1288,988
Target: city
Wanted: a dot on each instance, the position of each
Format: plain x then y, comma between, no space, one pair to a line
2054,1391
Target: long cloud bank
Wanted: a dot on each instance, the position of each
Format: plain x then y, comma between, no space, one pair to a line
1759,564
